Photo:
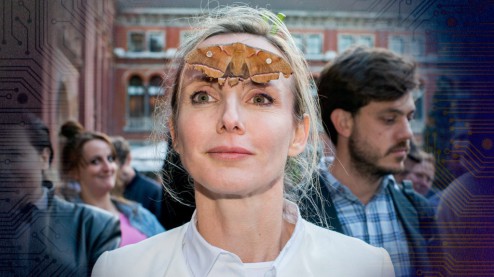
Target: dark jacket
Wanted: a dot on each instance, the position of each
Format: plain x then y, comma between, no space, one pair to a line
65,239
146,191
416,215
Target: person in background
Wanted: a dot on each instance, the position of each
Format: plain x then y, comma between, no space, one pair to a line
41,234
419,170
366,103
135,186
89,158
465,212
241,131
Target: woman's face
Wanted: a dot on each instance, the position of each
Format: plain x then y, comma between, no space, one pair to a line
235,140
98,171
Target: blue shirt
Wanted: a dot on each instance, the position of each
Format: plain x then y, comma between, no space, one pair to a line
375,223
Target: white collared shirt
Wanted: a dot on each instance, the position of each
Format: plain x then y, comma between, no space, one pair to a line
311,251
204,259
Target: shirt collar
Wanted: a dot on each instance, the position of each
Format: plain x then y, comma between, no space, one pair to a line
202,257
334,186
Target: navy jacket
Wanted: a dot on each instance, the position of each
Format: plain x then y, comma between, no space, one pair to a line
146,191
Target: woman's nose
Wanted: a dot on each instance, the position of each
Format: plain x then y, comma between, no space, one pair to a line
108,165
230,116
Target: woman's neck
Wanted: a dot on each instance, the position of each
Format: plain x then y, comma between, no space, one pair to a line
102,201
253,228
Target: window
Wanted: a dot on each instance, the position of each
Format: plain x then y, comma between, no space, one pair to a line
397,44
418,46
135,93
346,41
156,41
142,102
153,41
419,121
366,41
299,41
136,42
310,44
407,45
313,44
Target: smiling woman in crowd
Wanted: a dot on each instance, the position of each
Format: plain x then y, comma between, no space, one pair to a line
89,158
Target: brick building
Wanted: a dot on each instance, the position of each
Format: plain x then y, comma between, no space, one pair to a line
56,61
101,62
147,34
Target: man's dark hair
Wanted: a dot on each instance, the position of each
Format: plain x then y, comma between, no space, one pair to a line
361,75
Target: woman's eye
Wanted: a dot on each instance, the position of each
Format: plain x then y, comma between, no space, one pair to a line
201,97
262,99
94,162
111,159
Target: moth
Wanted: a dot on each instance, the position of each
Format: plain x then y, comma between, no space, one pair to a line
238,61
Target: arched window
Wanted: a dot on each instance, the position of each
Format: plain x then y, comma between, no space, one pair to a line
142,99
136,99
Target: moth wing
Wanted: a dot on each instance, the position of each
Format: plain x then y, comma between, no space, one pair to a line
265,66
211,60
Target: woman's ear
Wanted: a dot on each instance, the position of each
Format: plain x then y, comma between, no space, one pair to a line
343,122
300,137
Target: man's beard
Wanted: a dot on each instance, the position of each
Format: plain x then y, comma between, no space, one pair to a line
365,158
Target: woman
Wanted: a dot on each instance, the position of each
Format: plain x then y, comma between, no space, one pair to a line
240,117
89,158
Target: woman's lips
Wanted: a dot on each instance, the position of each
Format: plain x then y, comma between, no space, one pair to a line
229,153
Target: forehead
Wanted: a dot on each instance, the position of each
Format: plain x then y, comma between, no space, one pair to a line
404,104
247,39
423,167
425,164
95,146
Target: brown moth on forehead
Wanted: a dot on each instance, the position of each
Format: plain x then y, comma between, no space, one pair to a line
236,62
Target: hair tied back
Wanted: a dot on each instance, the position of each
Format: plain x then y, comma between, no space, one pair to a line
71,129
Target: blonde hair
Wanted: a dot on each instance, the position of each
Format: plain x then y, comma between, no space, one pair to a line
299,170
